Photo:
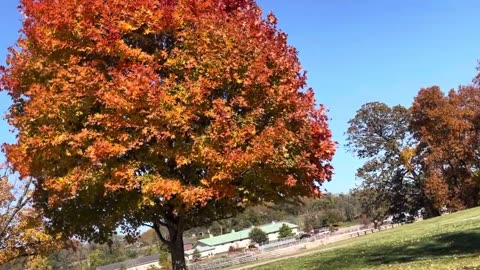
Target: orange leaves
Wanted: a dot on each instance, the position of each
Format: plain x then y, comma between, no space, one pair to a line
437,190
291,181
166,105
446,126
161,187
172,190
102,149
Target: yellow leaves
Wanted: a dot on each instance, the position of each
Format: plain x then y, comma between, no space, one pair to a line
125,26
23,231
59,139
220,176
182,160
406,157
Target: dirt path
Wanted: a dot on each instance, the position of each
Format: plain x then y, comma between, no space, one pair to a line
291,256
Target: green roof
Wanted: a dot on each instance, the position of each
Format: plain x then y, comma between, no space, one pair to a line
243,234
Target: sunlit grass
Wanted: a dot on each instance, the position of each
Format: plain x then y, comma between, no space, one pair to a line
448,242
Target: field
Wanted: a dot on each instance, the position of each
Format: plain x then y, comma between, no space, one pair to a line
448,242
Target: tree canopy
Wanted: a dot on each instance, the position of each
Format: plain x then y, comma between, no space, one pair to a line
381,135
447,127
159,113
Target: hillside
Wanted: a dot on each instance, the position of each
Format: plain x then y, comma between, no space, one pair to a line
448,242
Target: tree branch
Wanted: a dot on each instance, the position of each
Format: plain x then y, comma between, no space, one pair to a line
156,227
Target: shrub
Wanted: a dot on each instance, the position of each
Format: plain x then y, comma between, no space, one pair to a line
258,236
285,231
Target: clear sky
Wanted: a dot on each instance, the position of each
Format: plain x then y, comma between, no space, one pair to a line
356,52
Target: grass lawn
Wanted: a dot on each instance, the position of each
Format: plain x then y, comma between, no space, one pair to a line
448,242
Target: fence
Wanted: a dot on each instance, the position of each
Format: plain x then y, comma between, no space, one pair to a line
225,262
282,247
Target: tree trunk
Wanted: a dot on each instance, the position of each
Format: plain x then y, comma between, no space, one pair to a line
176,249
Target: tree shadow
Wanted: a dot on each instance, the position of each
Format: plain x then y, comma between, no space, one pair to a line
466,243
459,243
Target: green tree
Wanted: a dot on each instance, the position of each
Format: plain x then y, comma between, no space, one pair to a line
391,174
258,236
285,231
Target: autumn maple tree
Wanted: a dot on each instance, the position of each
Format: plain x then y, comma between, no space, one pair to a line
167,113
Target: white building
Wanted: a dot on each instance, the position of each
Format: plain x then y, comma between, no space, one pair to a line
222,243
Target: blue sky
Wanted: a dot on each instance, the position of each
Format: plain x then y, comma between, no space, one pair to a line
355,52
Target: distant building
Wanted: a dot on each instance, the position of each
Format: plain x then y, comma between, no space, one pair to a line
187,244
222,243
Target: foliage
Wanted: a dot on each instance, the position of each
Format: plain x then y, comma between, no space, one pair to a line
447,128
310,222
116,251
285,231
22,232
148,238
447,242
258,236
346,206
38,263
391,177
132,113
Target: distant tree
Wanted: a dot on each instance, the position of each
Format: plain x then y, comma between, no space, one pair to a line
447,127
330,218
258,236
348,205
65,258
310,222
285,231
159,113
38,263
22,230
391,176
323,203
149,237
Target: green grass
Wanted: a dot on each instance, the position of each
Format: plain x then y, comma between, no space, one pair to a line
448,242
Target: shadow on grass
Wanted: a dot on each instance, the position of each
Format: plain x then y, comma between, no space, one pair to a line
466,243
461,243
